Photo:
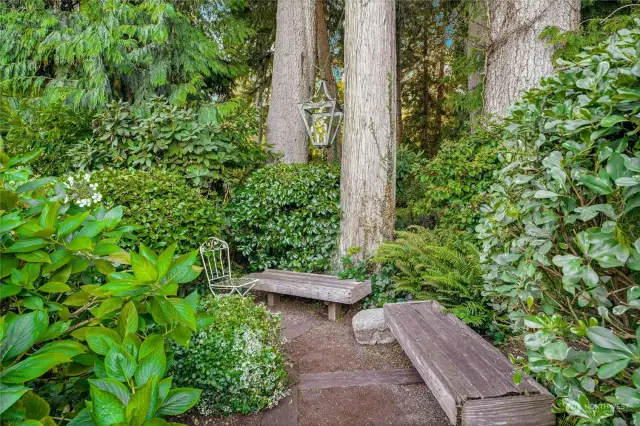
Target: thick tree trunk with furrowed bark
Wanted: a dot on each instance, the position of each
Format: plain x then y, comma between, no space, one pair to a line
516,57
369,147
292,78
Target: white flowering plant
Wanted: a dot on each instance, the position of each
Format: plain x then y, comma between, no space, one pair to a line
81,190
235,357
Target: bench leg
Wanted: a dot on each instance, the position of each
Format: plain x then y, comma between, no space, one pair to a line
335,311
272,299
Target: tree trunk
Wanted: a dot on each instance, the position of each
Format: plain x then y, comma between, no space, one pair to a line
368,189
292,78
325,66
399,19
426,98
516,58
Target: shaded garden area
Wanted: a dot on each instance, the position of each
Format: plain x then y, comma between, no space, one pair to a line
481,156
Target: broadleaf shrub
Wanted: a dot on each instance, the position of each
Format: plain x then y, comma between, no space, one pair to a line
235,357
166,206
212,144
455,182
84,322
287,216
561,246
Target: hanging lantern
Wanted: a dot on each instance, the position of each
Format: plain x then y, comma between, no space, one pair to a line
322,117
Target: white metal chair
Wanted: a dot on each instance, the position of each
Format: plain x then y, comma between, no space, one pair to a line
216,261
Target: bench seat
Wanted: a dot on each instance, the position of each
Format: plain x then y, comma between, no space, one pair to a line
470,378
313,286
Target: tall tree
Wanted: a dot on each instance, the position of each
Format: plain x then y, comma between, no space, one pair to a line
369,147
325,64
292,78
516,57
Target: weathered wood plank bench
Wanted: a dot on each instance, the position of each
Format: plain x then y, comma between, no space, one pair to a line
469,377
313,286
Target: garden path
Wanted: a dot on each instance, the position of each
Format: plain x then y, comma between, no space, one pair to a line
337,381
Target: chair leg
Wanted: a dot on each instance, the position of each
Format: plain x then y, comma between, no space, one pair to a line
335,311
272,299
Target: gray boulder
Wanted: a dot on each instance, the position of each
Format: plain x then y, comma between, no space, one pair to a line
370,327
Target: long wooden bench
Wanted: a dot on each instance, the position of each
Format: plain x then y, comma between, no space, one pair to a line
469,377
313,286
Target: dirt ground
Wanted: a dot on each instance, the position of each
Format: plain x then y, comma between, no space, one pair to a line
317,345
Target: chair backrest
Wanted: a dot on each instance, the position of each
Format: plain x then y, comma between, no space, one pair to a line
216,260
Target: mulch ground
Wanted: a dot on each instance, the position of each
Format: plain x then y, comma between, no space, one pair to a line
365,385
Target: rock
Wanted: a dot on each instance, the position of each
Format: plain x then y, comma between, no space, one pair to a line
370,327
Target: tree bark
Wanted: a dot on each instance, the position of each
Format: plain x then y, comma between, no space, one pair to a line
516,58
325,66
399,22
369,149
292,78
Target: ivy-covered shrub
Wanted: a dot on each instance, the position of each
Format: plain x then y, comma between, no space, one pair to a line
212,144
456,180
561,246
80,315
165,204
433,265
287,216
235,358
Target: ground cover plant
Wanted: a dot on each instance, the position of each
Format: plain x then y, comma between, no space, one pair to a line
287,216
235,357
561,237
85,324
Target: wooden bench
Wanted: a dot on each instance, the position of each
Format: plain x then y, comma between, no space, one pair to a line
469,377
313,286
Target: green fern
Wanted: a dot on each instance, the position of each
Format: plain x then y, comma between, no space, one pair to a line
434,266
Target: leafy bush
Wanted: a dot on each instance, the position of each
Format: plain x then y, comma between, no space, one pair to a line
408,187
287,216
212,144
235,358
432,265
168,208
456,180
79,332
560,235
26,126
